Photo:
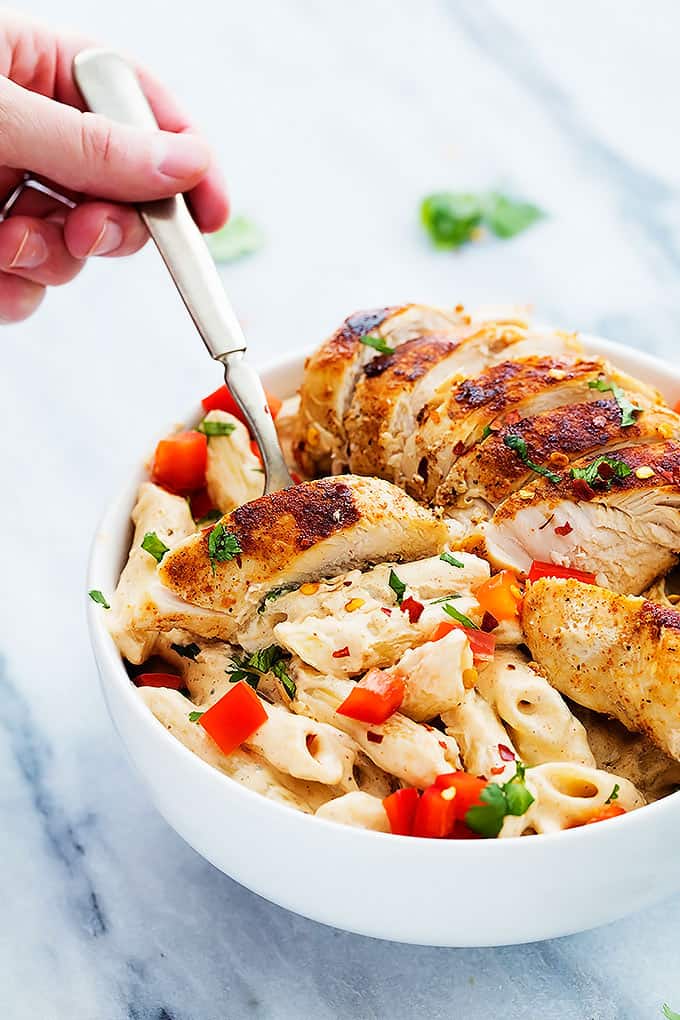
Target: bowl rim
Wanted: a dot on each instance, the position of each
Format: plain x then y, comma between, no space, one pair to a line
105,549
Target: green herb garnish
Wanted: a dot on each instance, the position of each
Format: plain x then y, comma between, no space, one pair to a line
486,432
459,617
452,218
239,237
669,1013
194,716
97,597
397,586
445,598
519,446
614,795
189,651
152,544
594,474
222,545
267,660
377,343
512,798
274,594
216,428
212,515
627,408
451,560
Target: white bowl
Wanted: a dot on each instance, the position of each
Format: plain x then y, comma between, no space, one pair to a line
444,893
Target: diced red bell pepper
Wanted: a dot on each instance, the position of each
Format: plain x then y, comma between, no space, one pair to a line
539,569
234,718
200,504
500,596
400,807
463,831
171,680
413,608
608,811
255,450
482,645
435,813
375,698
467,787
179,462
222,400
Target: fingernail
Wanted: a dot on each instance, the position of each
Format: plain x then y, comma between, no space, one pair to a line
110,237
183,156
32,251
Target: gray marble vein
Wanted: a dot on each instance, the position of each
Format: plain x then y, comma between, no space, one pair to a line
331,122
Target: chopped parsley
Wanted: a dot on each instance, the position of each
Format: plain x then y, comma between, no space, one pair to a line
222,545
459,617
216,428
486,433
602,471
97,597
267,660
453,218
239,237
212,515
519,446
628,409
512,798
274,594
451,560
194,716
614,795
152,544
377,343
445,598
397,586
669,1013
189,651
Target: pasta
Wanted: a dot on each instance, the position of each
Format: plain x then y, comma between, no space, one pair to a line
233,473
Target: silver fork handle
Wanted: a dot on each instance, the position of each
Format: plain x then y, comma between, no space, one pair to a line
110,86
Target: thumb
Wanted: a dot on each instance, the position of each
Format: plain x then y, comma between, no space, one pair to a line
92,154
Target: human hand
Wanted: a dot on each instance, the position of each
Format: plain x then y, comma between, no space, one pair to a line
100,164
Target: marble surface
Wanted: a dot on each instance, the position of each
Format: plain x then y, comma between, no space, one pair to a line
331,121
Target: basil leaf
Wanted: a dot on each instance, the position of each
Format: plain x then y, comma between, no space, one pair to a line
487,818
239,237
627,408
593,475
222,545
614,795
274,594
451,560
377,343
189,651
519,446
216,428
460,617
97,597
194,716
506,217
450,218
152,544
397,586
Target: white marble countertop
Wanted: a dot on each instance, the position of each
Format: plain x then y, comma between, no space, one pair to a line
331,122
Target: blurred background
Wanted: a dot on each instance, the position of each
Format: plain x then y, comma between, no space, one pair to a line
331,123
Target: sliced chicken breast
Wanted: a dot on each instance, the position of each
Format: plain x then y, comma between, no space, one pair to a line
614,654
495,468
626,530
316,529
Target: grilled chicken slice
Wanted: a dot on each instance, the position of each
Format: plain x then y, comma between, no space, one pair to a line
316,529
460,416
495,468
615,654
624,529
331,373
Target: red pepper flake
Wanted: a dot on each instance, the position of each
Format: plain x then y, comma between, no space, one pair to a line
459,449
375,738
666,475
442,745
489,622
429,728
564,529
497,771
605,471
387,612
505,752
413,608
582,490
341,653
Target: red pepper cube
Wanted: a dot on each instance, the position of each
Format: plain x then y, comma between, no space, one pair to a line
413,608
234,718
400,808
375,698
222,400
171,680
180,461
467,787
435,813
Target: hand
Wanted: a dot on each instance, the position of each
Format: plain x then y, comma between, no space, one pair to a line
102,165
